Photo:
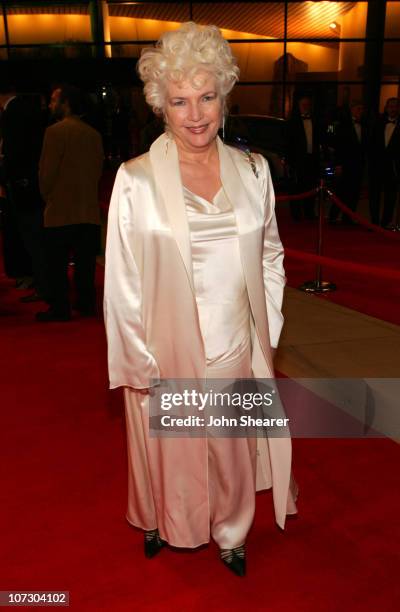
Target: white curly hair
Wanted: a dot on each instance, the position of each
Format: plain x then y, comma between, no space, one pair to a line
180,55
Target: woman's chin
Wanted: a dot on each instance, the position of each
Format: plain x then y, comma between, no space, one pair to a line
199,140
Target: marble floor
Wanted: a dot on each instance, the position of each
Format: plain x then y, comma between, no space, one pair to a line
324,341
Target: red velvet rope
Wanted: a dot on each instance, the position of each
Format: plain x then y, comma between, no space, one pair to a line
353,215
356,217
341,264
296,196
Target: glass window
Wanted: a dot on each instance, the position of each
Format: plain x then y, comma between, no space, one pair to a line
240,18
342,61
52,52
3,52
327,19
391,90
49,24
2,33
312,58
391,61
351,61
126,50
347,93
256,99
392,24
259,61
145,21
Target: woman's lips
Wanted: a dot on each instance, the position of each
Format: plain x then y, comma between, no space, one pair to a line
198,130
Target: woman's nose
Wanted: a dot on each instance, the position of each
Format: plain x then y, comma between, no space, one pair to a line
195,113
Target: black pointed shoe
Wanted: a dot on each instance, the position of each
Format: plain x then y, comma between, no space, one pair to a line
234,559
152,543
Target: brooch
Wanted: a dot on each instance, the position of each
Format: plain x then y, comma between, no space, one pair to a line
252,162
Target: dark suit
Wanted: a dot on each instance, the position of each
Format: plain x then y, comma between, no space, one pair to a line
22,133
350,154
70,167
384,171
303,166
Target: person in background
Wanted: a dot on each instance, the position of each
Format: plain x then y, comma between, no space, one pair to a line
384,163
351,141
70,167
152,129
303,143
22,129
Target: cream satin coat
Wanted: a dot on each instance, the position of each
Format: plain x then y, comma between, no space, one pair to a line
150,307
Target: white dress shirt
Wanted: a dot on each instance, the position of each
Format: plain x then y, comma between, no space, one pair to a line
357,128
389,129
308,129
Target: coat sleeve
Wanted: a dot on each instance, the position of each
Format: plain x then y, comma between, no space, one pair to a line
99,154
50,160
130,363
273,254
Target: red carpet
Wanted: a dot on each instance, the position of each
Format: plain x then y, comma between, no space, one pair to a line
63,495
367,294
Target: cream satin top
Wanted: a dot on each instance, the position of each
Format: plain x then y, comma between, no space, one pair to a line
221,293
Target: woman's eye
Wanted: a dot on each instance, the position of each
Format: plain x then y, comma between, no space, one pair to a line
208,98
178,103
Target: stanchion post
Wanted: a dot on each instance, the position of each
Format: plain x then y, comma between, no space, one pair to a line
318,285
397,222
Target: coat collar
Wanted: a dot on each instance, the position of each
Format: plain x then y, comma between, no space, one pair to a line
165,163
244,194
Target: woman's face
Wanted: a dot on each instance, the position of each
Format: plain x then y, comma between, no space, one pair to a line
193,115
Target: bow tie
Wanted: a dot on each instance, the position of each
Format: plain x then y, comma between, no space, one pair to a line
356,122
391,121
306,116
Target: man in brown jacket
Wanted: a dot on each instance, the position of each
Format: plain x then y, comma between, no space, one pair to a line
69,171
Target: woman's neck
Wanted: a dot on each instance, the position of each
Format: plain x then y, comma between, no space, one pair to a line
204,155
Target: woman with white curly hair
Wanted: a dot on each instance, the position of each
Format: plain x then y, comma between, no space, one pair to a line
193,290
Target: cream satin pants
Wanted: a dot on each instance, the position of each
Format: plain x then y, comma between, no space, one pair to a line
213,497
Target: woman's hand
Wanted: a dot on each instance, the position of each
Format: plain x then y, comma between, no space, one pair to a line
148,391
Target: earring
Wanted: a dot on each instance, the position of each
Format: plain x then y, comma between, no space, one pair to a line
223,128
167,133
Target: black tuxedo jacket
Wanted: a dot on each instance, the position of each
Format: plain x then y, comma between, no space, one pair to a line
296,140
22,130
350,152
382,157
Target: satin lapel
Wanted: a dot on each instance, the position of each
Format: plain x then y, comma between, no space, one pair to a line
395,134
245,194
241,196
244,207
165,164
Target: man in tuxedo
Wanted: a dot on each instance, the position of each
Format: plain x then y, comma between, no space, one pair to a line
384,161
350,156
22,133
70,167
303,141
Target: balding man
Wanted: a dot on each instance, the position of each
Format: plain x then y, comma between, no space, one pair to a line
69,171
